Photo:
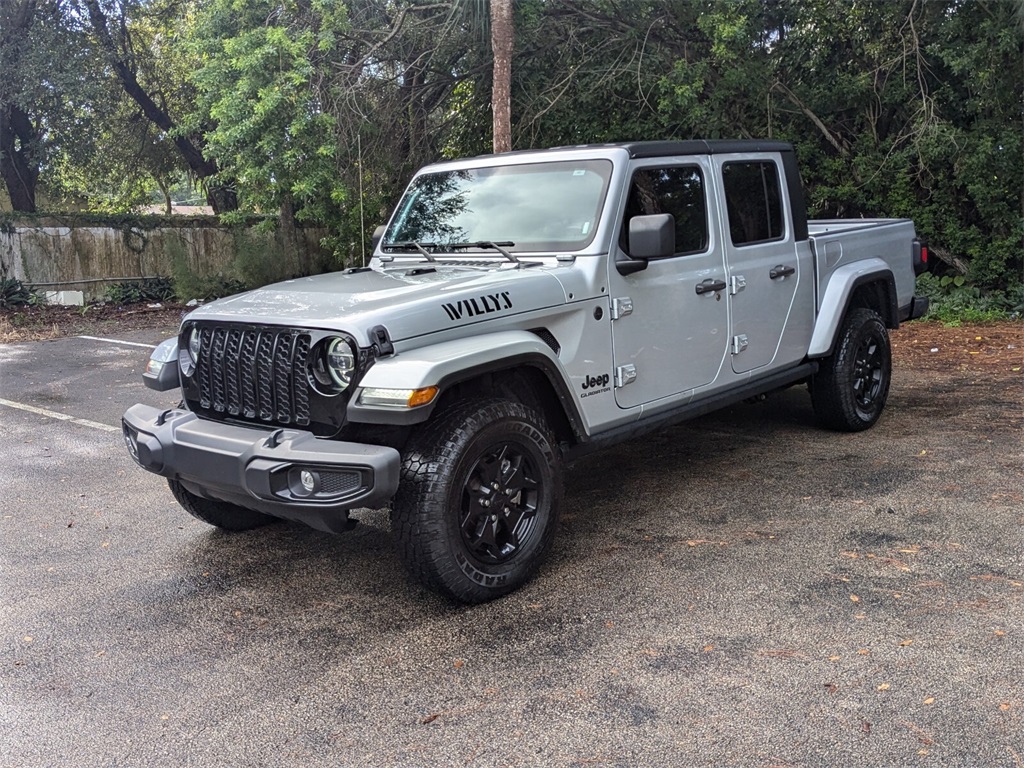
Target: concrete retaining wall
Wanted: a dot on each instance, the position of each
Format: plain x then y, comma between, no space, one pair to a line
69,253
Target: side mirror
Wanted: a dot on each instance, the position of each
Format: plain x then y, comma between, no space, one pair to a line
650,237
653,236
378,233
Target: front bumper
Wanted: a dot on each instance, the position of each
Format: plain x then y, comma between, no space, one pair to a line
263,469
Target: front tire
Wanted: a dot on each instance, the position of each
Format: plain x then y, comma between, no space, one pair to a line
850,389
227,517
479,499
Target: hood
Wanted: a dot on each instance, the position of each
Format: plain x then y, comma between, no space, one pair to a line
411,300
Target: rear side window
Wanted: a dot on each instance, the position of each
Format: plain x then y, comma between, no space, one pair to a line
679,191
754,202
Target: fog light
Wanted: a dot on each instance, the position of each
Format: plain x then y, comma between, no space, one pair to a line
308,480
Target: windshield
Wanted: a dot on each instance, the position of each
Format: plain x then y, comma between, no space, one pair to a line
534,207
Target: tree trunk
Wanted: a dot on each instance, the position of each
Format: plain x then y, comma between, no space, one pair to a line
165,190
18,136
502,42
295,253
221,197
19,172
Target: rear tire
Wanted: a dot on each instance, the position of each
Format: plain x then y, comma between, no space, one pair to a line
479,499
227,517
851,386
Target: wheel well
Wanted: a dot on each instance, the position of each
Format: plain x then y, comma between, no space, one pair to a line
877,295
525,384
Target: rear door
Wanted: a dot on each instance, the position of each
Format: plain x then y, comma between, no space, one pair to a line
764,273
667,338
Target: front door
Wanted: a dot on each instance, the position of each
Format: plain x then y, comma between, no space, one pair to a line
668,338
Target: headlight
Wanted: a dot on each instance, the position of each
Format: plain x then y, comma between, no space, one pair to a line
341,362
194,344
188,350
333,365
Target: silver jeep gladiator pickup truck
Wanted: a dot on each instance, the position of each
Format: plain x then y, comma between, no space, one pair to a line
520,310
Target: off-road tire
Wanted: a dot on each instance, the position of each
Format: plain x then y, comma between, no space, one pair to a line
227,517
455,532
851,386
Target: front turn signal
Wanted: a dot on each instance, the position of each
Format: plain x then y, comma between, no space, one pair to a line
397,398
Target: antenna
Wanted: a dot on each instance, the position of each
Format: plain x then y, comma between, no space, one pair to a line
362,223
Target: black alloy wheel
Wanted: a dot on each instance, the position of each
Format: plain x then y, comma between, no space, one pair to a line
868,372
499,503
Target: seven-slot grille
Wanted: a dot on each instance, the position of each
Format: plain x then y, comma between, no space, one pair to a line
255,373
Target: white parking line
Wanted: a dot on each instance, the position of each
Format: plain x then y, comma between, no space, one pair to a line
59,416
118,341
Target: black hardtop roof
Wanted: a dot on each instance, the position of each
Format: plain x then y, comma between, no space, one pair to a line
702,147
640,149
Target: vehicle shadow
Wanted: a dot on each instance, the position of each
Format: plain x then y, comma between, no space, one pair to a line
294,573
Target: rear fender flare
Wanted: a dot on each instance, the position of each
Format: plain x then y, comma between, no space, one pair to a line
835,301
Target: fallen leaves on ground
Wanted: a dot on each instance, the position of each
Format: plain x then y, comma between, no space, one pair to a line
980,347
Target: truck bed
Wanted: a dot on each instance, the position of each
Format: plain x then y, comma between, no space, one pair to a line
839,243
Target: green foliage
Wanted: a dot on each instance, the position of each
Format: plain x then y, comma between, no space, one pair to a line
259,260
189,285
14,294
319,111
953,300
256,84
138,291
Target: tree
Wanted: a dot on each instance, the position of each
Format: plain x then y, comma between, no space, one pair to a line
51,79
116,41
321,110
19,139
389,79
256,85
906,108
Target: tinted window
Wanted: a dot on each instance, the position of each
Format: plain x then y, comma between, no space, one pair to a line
753,201
679,191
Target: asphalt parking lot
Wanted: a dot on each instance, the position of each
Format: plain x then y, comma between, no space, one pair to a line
743,590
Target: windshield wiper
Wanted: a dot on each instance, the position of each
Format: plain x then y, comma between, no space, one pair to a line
412,244
422,248
487,244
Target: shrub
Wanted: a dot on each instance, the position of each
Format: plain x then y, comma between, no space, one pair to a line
14,293
138,291
954,300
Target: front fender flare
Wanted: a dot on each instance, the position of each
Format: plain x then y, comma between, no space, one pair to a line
451,362
162,372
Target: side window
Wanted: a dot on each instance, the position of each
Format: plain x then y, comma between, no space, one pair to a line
679,191
754,202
